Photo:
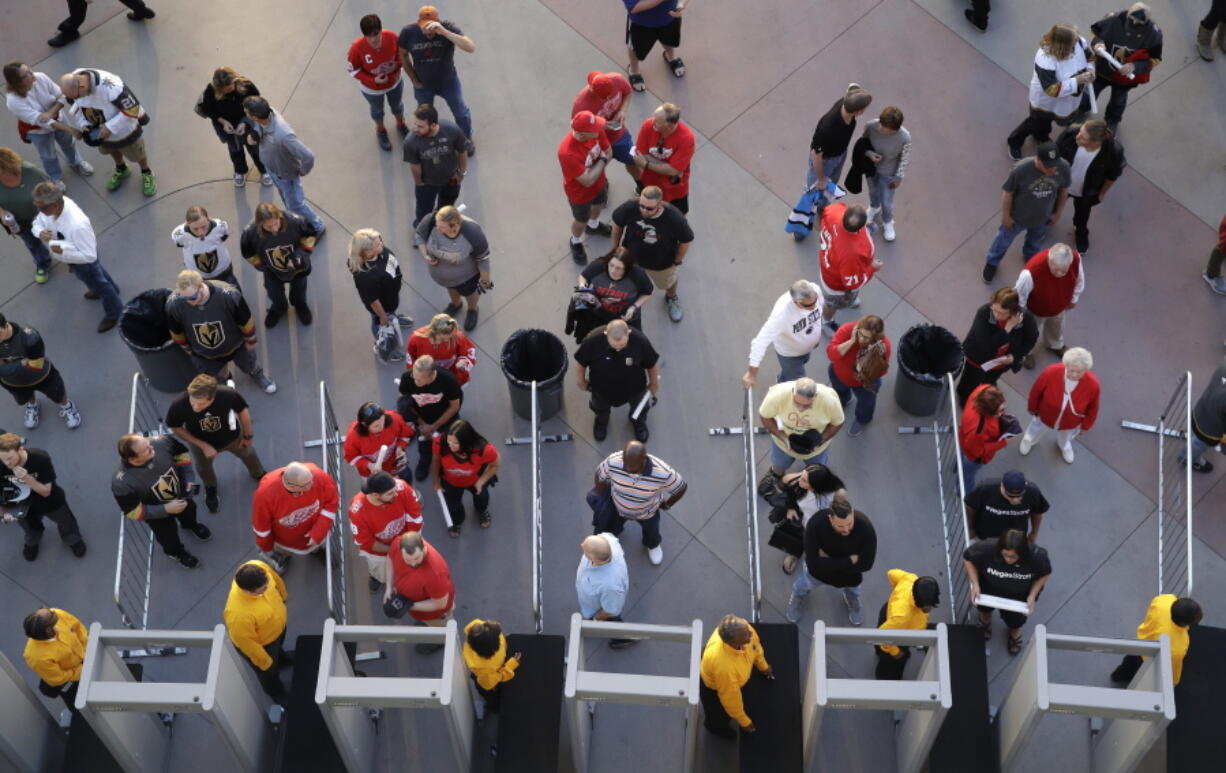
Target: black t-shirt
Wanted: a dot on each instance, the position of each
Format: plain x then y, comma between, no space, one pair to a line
379,280
1009,581
652,242
38,465
994,514
217,425
616,295
617,375
832,136
430,402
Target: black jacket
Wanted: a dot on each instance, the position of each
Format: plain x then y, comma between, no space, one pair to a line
861,165
836,568
986,339
1107,165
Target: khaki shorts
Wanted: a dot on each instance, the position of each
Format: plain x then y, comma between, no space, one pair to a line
666,278
134,151
837,300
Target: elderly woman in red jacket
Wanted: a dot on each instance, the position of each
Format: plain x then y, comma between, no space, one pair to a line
1064,398
984,430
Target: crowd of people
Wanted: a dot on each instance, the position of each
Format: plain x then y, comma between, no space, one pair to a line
824,538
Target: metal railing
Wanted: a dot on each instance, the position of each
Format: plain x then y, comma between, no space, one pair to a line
952,491
538,542
332,452
751,508
134,557
1175,492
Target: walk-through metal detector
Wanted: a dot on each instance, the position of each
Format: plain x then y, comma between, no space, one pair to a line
352,705
124,713
1139,713
924,701
30,739
586,688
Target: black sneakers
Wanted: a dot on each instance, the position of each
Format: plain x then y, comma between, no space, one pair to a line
210,498
989,272
201,532
187,560
578,253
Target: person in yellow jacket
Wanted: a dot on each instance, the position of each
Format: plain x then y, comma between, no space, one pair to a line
728,660
912,598
255,618
1168,615
485,652
55,651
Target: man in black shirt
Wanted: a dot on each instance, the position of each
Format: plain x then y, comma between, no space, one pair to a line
617,365
25,369
28,494
999,504
840,546
828,149
657,236
430,398
211,418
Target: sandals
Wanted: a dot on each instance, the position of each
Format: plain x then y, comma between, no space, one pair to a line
789,563
986,627
1015,644
636,82
483,520
677,65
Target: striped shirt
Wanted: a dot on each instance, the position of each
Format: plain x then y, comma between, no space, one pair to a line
638,497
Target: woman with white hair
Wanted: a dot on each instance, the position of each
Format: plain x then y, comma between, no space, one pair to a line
1061,74
1064,398
376,275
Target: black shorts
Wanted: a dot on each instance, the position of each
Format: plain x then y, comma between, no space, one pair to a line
583,212
52,386
640,39
468,286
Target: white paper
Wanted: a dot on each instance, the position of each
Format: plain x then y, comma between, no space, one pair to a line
997,602
996,363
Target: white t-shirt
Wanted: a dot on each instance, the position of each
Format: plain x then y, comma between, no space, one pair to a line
1081,163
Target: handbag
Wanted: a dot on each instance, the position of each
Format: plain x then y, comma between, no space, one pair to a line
24,129
788,536
871,364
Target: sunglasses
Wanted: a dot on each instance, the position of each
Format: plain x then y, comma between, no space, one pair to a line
192,297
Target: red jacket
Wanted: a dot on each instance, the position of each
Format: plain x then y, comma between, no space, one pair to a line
979,434
362,450
281,518
459,356
384,523
847,258
845,364
1047,395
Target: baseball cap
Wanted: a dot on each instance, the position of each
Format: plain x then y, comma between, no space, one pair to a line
427,14
379,483
1048,153
601,84
587,121
1138,13
1014,482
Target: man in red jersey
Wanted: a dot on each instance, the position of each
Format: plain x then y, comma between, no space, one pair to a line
847,257
374,61
605,96
664,149
584,153
420,585
292,512
385,508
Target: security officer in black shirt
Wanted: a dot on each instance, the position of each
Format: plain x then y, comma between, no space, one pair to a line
618,365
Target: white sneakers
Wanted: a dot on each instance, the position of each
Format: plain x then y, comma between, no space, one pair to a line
266,179
70,414
85,169
656,555
1067,453
240,180
31,415
1024,447
888,230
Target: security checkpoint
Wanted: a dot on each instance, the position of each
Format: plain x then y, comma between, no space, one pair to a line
133,718
30,739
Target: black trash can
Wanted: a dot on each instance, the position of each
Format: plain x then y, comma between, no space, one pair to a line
534,355
142,326
925,354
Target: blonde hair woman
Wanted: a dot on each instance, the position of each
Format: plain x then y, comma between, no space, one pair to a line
222,104
1058,83
376,275
450,348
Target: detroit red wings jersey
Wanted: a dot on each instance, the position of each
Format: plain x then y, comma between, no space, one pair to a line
291,521
371,523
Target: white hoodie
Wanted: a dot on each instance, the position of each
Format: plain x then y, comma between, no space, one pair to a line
793,331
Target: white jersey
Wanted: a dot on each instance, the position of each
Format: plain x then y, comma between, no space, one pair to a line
109,103
207,254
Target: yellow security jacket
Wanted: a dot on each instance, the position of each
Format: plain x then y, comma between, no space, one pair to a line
494,670
726,670
900,611
256,621
59,660
1157,622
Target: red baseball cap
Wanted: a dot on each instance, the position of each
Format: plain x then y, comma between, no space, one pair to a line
600,84
587,121
425,15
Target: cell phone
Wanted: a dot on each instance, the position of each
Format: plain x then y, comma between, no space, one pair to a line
193,489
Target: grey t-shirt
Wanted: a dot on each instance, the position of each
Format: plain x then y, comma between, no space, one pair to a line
1035,193
459,259
894,148
439,155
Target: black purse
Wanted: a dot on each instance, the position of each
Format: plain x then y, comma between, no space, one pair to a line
788,536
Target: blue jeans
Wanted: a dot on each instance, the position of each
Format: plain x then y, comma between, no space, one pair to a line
453,95
783,461
832,168
294,198
791,368
880,194
804,584
45,144
395,100
38,250
969,470
96,278
1005,237
866,400
1199,447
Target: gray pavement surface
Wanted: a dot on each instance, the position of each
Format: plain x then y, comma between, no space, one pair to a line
757,82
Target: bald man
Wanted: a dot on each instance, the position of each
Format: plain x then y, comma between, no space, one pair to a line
617,365
603,581
292,512
640,485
